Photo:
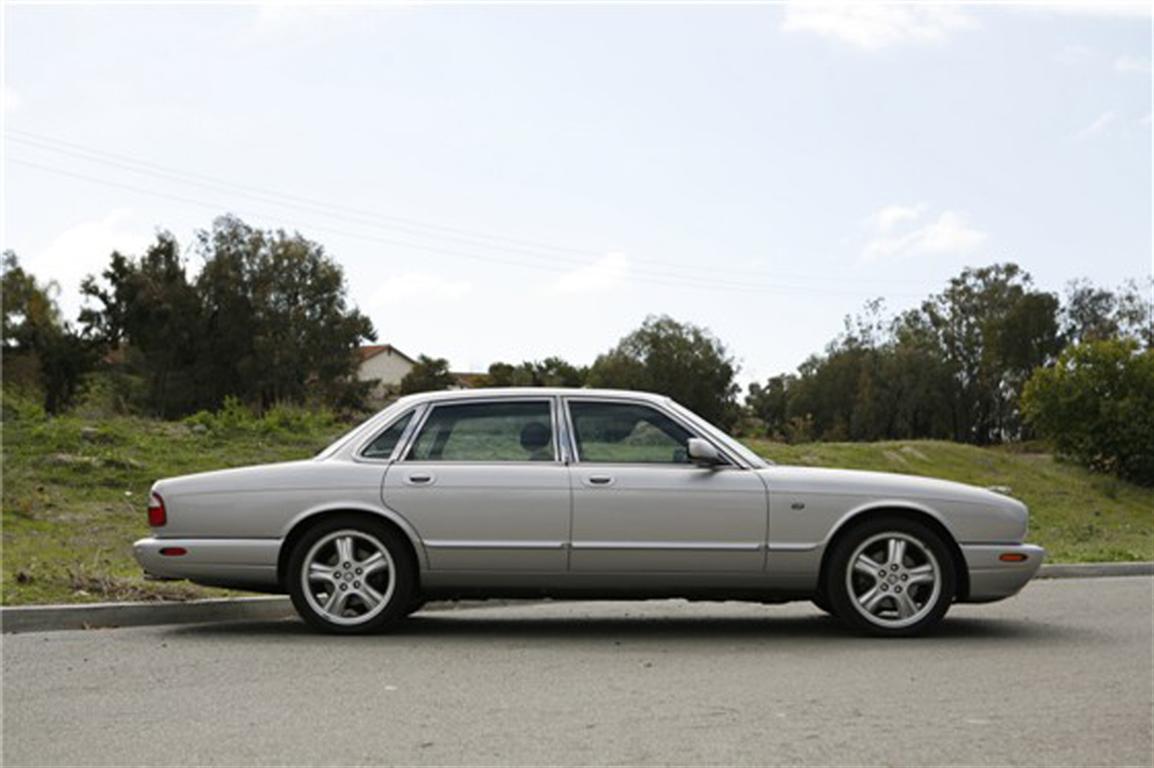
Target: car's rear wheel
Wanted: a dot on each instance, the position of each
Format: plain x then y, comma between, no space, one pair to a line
351,575
891,576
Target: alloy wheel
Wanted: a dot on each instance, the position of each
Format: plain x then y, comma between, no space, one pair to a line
893,580
348,577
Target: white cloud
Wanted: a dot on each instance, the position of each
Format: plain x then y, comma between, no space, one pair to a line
1145,119
900,231
1104,8
1100,125
12,99
1125,65
414,287
871,26
601,276
892,215
83,250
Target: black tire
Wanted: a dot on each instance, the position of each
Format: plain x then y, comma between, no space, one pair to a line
928,601
415,606
822,603
366,533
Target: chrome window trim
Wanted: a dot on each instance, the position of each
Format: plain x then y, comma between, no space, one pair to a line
734,462
551,401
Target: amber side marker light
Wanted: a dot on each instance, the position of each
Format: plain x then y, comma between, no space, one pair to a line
1012,557
173,551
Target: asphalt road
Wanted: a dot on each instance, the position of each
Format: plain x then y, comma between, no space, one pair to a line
1060,675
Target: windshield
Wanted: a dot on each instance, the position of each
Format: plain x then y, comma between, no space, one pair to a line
732,445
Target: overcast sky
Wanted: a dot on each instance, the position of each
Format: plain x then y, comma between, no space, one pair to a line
512,182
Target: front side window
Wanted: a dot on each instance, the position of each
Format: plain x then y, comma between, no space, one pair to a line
493,431
386,442
627,433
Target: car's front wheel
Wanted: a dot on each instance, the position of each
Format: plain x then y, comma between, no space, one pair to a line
350,575
891,576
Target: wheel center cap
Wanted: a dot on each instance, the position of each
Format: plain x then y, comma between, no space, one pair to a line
892,578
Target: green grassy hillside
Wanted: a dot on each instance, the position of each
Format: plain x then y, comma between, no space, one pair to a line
75,492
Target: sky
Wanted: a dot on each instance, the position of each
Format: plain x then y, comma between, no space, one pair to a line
510,182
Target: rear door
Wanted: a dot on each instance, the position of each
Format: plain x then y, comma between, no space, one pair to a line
482,483
640,505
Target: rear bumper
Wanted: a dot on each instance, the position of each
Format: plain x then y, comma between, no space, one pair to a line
239,563
994,579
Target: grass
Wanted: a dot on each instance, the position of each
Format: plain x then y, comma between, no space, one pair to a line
75,492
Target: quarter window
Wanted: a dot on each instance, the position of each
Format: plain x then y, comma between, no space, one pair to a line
386,442
486,432
627,433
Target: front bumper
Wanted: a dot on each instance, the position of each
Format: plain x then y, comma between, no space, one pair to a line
239,563
994,579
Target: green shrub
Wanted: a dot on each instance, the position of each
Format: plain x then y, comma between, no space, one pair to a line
1096,404
235,418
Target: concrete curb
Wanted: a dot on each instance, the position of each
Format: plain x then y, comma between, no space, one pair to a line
50,618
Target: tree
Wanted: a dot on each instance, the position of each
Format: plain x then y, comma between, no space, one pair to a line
770,403
550,372
681,360
427,375
993,329
150,312
1091,313
1097,406
266,320
56,355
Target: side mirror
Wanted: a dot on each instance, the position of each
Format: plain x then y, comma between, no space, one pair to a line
703,454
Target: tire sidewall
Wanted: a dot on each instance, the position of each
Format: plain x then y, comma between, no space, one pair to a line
837,592
404,586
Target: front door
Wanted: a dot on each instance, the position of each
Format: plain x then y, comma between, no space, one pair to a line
639,504
483,485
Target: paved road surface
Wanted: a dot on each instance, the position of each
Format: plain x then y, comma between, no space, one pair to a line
1060,675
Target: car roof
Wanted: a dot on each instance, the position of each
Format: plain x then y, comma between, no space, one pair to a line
521,392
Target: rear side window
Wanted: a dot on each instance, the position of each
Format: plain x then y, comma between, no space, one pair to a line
627,433
386,442
486,432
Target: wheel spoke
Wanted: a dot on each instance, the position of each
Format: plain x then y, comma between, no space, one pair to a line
374,563
336,603
321,572
906,606
345,549
923,574
872,599
895,551
867,566
371,596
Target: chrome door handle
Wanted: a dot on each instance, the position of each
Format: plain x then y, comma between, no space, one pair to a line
600,480
419,479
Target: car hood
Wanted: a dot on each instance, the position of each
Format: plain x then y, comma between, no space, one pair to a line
789,479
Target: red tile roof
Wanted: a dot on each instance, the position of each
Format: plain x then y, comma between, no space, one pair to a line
372,350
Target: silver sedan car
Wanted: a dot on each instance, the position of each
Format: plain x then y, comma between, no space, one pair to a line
580,493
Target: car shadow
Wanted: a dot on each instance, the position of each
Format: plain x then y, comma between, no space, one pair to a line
454,626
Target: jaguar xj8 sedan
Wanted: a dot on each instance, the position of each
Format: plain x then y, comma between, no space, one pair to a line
580,493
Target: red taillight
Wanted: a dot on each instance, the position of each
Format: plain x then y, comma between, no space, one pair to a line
157,515
1012,557
173,551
